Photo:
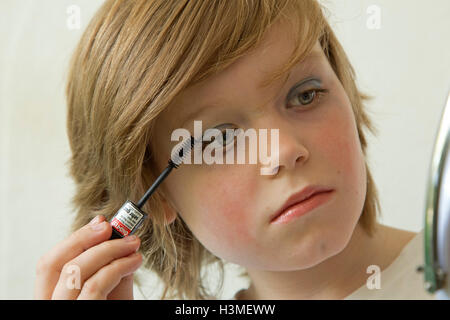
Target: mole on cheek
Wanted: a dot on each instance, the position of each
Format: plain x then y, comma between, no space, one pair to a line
323,247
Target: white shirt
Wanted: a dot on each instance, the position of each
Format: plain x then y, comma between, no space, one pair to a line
399,280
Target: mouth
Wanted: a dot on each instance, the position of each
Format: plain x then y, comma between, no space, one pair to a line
301,203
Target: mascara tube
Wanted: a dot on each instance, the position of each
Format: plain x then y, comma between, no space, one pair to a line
127,220
130,217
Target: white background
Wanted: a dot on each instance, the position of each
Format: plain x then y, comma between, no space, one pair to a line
404,64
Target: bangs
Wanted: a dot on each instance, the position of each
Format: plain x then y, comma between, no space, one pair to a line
247,22
308,26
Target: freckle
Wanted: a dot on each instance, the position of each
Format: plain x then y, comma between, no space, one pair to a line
323,246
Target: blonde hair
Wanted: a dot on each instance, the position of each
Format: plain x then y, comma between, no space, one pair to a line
132,60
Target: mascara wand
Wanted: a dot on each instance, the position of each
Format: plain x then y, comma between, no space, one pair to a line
130,217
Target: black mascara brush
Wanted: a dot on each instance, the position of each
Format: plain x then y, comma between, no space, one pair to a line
130,216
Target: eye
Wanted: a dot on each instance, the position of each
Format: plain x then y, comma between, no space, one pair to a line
226,137
306,97
299,96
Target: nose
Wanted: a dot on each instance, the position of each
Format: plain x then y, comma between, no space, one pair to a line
287,153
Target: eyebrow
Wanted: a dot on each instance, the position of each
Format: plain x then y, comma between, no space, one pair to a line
313,55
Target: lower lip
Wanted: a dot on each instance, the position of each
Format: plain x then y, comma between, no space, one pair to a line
302,208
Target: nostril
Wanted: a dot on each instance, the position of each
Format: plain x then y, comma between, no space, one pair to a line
269,171
275,170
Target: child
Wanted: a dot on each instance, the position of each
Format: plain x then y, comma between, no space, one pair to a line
145,68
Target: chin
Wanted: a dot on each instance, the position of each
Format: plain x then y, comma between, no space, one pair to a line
322,246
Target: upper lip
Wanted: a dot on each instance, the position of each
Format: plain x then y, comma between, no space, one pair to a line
304,194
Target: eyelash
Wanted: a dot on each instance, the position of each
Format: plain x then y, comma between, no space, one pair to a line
319,93
205,143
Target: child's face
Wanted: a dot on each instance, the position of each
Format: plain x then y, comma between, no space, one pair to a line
228,206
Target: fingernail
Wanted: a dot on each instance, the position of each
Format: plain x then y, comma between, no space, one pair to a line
99,226
95,220
130,238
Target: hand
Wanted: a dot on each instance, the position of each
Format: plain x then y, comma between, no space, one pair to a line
87,265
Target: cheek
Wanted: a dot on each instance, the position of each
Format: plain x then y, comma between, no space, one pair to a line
342,146
225,208
337,143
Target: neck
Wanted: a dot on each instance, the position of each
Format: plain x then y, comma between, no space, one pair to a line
334,278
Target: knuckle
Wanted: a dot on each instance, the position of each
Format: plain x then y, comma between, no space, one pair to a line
78,234
73,239
92,288
68,268
108,245
114,269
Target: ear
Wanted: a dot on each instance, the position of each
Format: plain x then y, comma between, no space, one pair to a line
170,213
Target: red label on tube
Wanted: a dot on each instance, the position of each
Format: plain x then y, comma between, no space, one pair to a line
126,219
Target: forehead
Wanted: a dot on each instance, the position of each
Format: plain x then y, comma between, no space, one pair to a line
241,81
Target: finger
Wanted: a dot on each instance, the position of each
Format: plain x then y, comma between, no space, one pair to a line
124,290
89,262
50,265
107,278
